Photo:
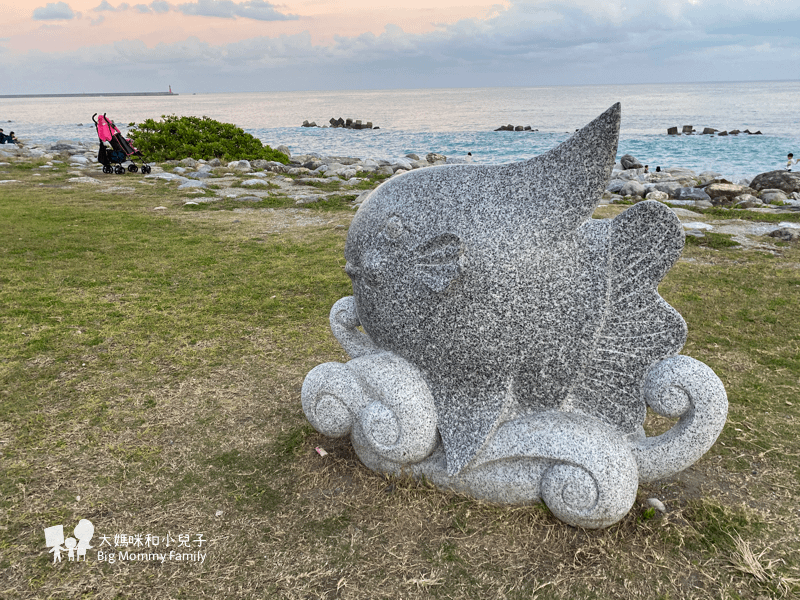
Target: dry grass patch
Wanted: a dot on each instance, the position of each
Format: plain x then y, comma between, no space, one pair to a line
150,382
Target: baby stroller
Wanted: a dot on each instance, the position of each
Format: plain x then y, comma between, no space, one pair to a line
121,148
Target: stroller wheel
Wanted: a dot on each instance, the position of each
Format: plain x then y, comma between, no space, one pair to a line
146,169
132,168
119,170
107,169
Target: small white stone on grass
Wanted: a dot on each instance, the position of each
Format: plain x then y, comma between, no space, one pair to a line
698,225
91,180
160,208
657,504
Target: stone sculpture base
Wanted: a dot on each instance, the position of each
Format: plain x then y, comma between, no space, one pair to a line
585,470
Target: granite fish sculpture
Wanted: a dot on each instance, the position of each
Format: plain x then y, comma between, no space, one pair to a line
495,281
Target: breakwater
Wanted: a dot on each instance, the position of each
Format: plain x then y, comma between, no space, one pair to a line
92,95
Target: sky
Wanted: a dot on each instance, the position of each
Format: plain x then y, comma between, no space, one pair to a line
199,46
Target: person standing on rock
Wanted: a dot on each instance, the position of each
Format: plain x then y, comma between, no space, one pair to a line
789,161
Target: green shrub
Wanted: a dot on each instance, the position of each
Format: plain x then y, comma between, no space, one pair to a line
176,138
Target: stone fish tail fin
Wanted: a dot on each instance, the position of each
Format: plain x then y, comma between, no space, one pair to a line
569,179
638,328
468,418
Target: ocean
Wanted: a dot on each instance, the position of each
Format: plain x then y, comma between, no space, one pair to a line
456,121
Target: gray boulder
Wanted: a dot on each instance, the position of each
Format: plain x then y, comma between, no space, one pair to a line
629,162
668,187
691,193
773,197
633,188
198,175
785,181
656,195
746,201
615,185
786,234
724,193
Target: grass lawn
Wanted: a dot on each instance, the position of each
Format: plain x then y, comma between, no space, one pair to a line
150,372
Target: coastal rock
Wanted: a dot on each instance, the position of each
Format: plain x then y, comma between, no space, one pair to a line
786,234
746,201
434,158
275,167
668,187
615,185
240,165
672,131
89,180
656,195
724,193
402,163
773,197
284,150
633,188
189,162
691,193
785,181
687,129
198,175
709,131
629,162
62,147
192,184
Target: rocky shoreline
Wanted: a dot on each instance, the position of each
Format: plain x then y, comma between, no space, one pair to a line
310,178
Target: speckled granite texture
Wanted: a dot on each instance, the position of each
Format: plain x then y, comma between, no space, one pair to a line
497,313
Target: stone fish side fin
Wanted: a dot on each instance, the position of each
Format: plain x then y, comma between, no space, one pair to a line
437,261
638,327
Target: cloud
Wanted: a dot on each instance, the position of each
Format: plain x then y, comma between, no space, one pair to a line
227,9
53,11
521,44
223,9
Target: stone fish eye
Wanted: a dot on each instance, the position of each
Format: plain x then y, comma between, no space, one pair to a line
394,227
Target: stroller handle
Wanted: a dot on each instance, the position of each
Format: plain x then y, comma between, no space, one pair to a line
93,118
